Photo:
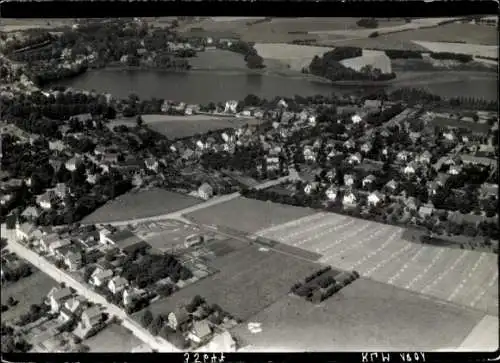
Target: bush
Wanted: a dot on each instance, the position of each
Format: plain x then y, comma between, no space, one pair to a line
367,23
373,35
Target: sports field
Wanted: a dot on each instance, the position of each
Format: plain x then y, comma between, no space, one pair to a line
379,252
366,315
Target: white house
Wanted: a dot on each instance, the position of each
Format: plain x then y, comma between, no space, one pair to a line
282,103
312,120
309,154
331,193
310,187
366,147
201,145
349,145
47,199
403,155
330,175
375,198
231,106
151,164
349,199
356,119
205,191
73,163
409,169
424,158
354,159
348,180
454,169
57,296
200,332
100,277
391,185
449,135
117,284
368,180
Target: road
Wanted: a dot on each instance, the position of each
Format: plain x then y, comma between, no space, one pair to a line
61,276
209,203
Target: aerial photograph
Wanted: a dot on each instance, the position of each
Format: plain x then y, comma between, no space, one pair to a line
249,184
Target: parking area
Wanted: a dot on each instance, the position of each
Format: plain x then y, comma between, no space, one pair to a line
380,252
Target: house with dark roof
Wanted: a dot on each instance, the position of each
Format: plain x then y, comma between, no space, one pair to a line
47,199
57,297
200,332
31,213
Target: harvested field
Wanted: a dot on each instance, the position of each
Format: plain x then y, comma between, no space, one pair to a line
381,42
218,59
141,204
296,56
380,252
29,290
175,127
248,280
484,336
472,49
113,339
365,315
10,25
252,215
473,126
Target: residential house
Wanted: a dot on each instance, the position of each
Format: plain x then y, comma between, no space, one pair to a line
91,178
73,259
27,231
47,199
403,156
177,318
61,190
223,342
454,169
57,297
373,104
272,162
100,277
424,158
282,103
92,319
375,198
57,245
331,193
354,159
348,180
442,178
132,294
31,213
391,186
312,120
425,210
349,199
409,169
72,308
410,203
310,187
449,135
47,240
349,144
205,191
368,180
309,154
188,154
73,163
331,175
151,164
366,147
100,150
231,107
415,136
57,145
200,333
356,119
117,284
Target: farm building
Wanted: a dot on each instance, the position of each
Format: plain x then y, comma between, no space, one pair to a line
376,60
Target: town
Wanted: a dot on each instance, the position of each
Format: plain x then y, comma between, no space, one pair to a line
118,214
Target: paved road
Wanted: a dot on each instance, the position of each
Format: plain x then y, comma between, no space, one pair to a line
61,276
209,203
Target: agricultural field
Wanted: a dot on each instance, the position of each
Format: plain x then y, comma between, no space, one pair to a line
141,204
252,215
248,280
27,291
113,339
450,122
380,252
472,49
484,336
175,127
218,59
365,315
296,56
10,25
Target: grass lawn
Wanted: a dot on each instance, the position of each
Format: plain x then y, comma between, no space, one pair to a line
175,127
141,204
365,315
248,280
113,339
218,59
252,215
30,290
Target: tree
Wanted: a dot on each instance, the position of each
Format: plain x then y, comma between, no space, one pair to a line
11,301
139,121
147,318
156,325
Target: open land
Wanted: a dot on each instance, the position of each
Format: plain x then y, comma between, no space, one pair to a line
484,336
218,59
296,56
248,215
10,25
380,252
29,290
113,339
249,279
141,204
175,127
365,315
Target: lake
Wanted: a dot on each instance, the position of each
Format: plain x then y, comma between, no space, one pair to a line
205,86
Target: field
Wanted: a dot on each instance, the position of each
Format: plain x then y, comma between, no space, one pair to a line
249,279
30,290
473,126
175,127
9,25
381,253
251,215
296,56
141,204
218,59
472,49
113,339
484,337
366,315
164,235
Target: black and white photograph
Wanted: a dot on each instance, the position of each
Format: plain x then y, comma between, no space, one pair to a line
219,184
